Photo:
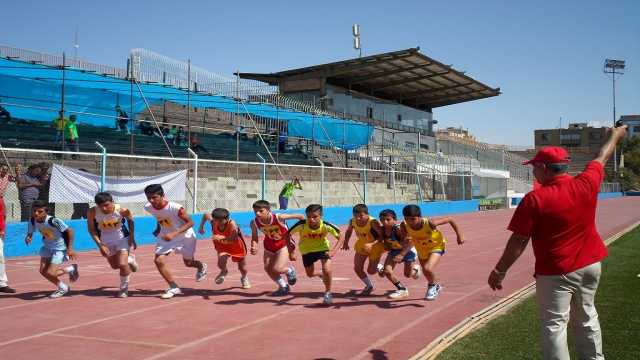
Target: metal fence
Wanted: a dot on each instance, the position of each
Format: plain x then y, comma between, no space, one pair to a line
236,185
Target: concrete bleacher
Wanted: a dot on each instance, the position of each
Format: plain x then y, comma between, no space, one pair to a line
580,157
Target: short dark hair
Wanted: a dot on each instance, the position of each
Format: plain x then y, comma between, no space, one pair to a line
261,204
102,197
360,208
38,204
411,210
558,168
388,212
313,208
154,189
220,214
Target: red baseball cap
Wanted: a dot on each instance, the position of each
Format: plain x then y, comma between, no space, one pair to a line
550,155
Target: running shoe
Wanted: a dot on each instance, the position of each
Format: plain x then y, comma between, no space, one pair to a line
202,274
292,277
433,291
399,294
220,278
327,299
133,264
59,293
283,291
124,291
245,283
74,275
416,272
366,291
171,292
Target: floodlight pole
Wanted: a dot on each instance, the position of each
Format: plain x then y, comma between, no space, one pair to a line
610,67
189,101
64,65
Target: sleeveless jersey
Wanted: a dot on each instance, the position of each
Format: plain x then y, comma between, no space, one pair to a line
314,240
168,219
392,242
51,230
111,226
275,233
363,233
237,248
425,239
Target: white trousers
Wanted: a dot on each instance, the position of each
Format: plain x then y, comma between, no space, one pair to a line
564,299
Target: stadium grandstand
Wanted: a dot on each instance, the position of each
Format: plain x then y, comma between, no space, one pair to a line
368,121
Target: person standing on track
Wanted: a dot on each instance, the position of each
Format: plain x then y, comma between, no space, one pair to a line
5,179
559,218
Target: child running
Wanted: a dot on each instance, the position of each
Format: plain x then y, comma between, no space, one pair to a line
57,247
278,249
106,224
228,242
399,251
368,246
173,233
429,243
315,246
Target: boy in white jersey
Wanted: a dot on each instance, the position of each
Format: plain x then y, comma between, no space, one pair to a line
57,247
105,223
174,233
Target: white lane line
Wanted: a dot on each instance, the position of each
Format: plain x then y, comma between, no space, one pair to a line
125,342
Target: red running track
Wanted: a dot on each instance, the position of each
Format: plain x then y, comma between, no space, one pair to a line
226,322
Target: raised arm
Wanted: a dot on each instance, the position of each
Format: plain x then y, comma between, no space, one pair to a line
285,217
617,133
434,223
205,219
515,246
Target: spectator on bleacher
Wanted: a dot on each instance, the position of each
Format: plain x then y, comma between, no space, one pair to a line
559,218
71,135
145,127
5,179
28,188
287,192
59,124
171,136
45,180
194,143
282,142
241,133
122,119
180,137
4,114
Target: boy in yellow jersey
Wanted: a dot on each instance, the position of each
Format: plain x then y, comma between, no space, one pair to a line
314,245
428,241
368,245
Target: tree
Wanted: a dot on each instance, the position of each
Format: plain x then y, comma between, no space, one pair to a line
629,175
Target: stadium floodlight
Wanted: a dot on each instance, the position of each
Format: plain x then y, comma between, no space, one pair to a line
355,29
614,67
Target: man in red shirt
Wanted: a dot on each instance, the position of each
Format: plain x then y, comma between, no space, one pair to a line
559,217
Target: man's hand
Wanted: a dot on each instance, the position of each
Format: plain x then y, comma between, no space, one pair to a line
292,256
134,244
460,240
27,240
367,247
169,236
253,250
345,246
103,250
495,280
72,254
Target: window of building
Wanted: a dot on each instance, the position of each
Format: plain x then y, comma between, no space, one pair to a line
545,137
410,145
595,136
369,112
636,129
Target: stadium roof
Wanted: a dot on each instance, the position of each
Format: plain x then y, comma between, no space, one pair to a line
405,76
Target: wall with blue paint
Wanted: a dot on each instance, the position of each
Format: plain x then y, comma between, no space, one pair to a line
609,195
144,225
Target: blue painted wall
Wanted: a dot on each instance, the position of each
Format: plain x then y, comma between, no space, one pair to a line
609,195
144,225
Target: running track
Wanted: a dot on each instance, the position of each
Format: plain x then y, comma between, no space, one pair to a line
226,322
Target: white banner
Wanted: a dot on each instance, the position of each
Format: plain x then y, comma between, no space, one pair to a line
70,185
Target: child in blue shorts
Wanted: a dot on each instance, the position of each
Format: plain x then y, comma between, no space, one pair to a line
399,251
57,247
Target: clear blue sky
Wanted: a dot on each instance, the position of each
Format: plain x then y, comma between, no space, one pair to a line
547,57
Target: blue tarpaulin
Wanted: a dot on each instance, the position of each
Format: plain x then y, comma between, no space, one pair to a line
34,92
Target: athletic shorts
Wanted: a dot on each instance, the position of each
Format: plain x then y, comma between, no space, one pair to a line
185,245
376,251
57,257
410,256
117,246
310,258
423,254
237,250
274,245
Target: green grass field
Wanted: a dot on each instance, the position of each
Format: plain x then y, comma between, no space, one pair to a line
515,334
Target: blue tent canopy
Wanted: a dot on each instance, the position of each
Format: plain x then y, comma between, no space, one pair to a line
34,91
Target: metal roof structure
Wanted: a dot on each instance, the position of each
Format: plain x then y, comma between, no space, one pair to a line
405,76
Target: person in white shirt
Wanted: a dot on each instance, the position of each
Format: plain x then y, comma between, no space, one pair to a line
174,233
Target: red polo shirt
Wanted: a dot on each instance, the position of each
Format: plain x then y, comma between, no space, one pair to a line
560,219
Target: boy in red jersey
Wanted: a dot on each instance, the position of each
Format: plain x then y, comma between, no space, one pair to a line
276,244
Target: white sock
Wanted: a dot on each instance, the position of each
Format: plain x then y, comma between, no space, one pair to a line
131,259
367,281
63,286
281,283
289,270
69,269
124,280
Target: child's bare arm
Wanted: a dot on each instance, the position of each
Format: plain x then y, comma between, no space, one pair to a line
126,213
254,238
447,220
284,217
205,219
347,236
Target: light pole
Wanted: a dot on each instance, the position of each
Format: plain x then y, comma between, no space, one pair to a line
356,39
613,67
